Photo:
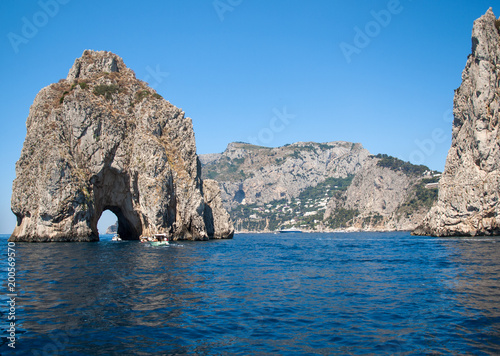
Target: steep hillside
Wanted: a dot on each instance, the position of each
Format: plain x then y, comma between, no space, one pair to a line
253,174
387,194
320,187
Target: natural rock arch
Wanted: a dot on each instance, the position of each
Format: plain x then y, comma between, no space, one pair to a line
101,139
126,229
111,193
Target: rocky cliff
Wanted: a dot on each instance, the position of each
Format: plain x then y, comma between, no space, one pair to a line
101,139
469,189
319,186
112,229
254,174
386,194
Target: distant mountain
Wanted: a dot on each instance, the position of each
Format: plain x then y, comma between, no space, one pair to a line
112,229
386,194
319,187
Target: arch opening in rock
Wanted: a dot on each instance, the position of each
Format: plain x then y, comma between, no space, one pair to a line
126,230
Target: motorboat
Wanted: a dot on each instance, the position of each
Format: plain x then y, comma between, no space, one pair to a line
291,230
158,239
159,243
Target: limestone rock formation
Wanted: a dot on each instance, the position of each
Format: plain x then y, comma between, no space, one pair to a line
101,139
319,187
215,214
256,174
112,229
383,198
376,189
469,188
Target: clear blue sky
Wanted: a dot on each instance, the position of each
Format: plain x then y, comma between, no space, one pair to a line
235,66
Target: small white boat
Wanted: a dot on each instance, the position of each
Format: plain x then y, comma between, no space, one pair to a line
291,230
116,238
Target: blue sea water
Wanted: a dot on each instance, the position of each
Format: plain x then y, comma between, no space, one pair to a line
288,294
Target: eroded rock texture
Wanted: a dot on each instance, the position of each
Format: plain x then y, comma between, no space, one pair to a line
301,186
381,198
252,174
99,140
469,188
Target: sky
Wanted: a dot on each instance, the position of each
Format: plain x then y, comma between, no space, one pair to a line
382,73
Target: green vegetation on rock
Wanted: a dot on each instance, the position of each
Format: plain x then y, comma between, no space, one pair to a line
342,218
326,188
141,94
61,99
306,211
268,189
106,90
419,197
226,169
399,165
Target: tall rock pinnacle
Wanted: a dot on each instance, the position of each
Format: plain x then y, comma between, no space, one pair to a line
103,140
468,202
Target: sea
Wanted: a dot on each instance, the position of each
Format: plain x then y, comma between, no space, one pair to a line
257,294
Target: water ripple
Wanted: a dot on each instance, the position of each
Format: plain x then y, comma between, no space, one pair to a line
345,294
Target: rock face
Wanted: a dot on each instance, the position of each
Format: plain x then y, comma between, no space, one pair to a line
103,140
256,174
112,229
469,188
320,187
383,198
218,220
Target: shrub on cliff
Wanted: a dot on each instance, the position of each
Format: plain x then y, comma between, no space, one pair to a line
398,165
106,90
